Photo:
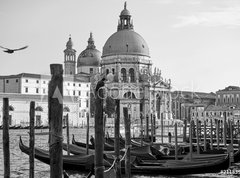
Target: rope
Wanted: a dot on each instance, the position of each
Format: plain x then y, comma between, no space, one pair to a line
59,138
128,147
113,164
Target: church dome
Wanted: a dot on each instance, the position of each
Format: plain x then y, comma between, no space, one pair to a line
125,41
90,56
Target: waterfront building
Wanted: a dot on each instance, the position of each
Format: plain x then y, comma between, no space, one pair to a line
191,105
227,100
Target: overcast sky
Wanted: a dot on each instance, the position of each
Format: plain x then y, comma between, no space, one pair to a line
195,43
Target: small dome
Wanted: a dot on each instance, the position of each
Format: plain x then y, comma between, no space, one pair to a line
125,42
125,12
90,56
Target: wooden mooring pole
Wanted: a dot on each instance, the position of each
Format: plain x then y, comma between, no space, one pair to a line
55,113
217,133
147,127
211,134
5,138
87,135
99,133
127,142
224,129
117,141
67,122
152,130
141,117
205,136
190,139
176,142
32,140
185,130
197,135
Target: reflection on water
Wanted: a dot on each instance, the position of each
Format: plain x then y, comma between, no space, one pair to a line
19,161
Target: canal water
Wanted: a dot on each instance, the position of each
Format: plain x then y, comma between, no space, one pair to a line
20,161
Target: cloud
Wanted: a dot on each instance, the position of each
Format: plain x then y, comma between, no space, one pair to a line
229,17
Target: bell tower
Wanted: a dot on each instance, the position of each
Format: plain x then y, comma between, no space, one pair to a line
69,58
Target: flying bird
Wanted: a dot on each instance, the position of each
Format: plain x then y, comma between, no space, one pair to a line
10,51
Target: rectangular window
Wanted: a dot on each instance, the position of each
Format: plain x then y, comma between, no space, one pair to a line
87,103
37,90
79,102
79,93
37,81
44,82
26,90
73,92
79,85
7,81
87,93
16,80
26,80
74,84
91,70
44,90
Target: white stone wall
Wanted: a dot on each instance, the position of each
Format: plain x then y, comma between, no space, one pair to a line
20,115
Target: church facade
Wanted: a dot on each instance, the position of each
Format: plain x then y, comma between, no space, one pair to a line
140,88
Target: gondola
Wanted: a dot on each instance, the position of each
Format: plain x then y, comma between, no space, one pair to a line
181,167
83,163
107,147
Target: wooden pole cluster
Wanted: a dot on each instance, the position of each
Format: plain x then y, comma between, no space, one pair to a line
117,141
55,114
99,134
32,140
5,138
127,142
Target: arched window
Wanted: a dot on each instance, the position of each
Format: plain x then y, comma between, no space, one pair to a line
131,74
124,75
39,108
66,109
129,95
107,71
11,108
